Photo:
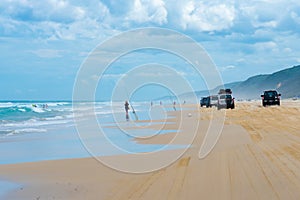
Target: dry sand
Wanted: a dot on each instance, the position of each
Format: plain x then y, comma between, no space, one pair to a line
257,157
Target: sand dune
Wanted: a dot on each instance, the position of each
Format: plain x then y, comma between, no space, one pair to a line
256,157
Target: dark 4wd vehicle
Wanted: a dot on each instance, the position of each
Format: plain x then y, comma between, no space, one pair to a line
225,101
270,97
203,101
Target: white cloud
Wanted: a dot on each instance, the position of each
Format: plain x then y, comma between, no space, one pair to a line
266,46
203,17
46,10
112,76
240,60
267,24
72,19
48,53
287,50
269,14
144,11
229,67
55,19
295,17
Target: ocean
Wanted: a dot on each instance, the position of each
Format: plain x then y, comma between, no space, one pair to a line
33,117
35,131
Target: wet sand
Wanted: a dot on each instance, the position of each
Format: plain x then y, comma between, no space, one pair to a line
256,157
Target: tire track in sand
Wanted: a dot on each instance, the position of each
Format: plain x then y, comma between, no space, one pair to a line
134,189
181,169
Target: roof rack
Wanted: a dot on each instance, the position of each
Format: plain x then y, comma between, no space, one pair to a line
225,91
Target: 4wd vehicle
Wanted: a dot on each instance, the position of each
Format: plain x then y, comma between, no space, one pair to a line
225,99
203,101
270,97
212,100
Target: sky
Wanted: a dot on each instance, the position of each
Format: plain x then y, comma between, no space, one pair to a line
44,43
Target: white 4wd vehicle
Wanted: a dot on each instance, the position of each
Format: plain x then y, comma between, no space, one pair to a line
225,99
213,100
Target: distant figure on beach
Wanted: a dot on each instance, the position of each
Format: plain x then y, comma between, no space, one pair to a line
160,103
151,103
174,105
126,109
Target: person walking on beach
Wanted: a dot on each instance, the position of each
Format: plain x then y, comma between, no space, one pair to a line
126,109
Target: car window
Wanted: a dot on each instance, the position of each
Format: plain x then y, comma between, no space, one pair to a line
222,97
271,94
214,98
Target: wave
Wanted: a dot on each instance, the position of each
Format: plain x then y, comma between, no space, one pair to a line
30,117
6,105
37,122
20,110
52,104
32,125
38,110
4,133
22,117
26,130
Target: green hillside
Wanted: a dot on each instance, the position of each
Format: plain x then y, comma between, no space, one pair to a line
286,81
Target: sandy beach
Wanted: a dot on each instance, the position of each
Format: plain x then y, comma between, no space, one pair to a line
256,157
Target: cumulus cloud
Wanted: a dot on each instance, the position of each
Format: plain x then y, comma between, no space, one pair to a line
266,46
47,10
274,15
228,67
206,17
144,11
71,19
48,53
240,26
55,19
295,17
